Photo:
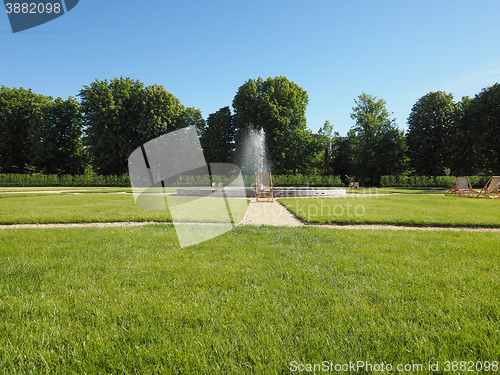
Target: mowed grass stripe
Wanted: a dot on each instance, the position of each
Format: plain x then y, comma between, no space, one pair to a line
129,300
399,210
70,208
104,207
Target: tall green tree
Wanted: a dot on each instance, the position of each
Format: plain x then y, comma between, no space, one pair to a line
121,115
482,119
56,146
278,106
193,117
377,145
20,111
326,136
341,155
39,134
429,129
460,143
217,139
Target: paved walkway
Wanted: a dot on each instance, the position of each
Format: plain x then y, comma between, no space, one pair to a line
269,213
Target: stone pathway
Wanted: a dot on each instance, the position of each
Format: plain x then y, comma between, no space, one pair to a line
269,213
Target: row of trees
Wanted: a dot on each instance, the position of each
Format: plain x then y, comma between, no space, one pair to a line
113,118
461,137
39,133
42,134
443,137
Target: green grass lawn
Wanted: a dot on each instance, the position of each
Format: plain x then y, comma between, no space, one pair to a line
34,208
129,300
399,209
70,208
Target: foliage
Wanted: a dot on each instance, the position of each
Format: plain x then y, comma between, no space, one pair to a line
482,117
429,130
461,143
278,106
121,115
193,117
429,181
38,179
57,143
377,146
39,133
217,139
325,139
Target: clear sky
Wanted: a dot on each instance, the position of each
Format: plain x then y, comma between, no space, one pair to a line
202,51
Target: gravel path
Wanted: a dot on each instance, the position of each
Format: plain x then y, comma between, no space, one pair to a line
80,225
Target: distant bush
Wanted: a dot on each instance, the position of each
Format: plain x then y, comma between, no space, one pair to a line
428,181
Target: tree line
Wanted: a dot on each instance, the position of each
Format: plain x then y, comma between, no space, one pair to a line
112,118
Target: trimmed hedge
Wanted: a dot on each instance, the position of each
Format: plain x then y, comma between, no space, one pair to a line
429,181
93,180
41,180
278,180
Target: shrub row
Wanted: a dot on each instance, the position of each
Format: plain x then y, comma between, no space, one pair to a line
429,181
41,180
300,180
249,180
91,179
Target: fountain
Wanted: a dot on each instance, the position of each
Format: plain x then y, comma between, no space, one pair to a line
253,159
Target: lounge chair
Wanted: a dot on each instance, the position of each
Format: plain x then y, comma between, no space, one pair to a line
463,187
452,189
490,190
263,186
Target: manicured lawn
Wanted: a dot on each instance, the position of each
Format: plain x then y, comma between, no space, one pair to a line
129,300
103,207
70,208
399,209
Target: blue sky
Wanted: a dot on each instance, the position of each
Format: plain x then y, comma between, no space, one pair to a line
202,51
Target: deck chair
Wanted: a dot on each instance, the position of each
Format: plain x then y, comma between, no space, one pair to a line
263,186
452,189
463,187
490,190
